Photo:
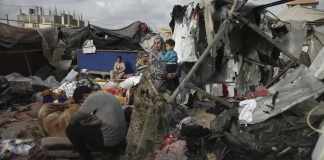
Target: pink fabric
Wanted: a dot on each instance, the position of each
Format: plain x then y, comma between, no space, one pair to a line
174,151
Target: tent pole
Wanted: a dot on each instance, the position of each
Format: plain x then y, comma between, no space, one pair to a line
28,65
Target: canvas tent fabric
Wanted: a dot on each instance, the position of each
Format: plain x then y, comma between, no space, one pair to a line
127,38
32,49
22,40
131,32
20,50
299,13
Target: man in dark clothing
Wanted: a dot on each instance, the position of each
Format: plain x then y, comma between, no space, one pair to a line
60,35
99,125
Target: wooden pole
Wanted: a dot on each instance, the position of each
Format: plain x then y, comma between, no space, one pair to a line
7,18
28,65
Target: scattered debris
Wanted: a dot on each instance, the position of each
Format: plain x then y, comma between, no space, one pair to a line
247,81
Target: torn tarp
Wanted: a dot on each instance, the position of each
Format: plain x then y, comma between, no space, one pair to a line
296,87
50,82
295,38
315,43
318,66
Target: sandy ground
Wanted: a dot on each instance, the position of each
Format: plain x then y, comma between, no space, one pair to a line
21,124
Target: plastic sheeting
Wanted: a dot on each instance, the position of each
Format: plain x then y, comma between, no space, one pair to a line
318,152
20,40
184,36
50,82
246,110
295,38
126,38
14,38
316,43
130,82
317,66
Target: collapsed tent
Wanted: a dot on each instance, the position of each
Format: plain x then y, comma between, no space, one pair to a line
20,50
59,44
245,46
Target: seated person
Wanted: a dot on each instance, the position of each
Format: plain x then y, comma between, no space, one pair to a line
99,125
119,69
55,118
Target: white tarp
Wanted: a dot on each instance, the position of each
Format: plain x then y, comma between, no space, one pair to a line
183,35
130,82
50,82
71,76
68,88
318,152
246,110
88,47
318,66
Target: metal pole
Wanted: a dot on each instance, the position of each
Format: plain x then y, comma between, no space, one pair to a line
7,18
217,38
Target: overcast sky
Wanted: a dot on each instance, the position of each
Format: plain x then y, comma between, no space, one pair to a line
108,13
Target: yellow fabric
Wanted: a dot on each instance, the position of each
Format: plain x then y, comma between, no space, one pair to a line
54,119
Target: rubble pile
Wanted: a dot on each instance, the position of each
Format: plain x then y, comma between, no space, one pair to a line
248,85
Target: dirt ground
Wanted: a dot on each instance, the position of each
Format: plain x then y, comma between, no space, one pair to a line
22,124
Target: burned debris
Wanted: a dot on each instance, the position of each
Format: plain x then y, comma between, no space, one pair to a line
236,82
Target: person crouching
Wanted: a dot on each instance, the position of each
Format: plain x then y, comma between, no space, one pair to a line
99,125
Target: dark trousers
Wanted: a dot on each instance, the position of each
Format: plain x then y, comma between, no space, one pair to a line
171,68
86,136
172,84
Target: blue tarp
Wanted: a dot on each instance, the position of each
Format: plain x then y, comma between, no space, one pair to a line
103,61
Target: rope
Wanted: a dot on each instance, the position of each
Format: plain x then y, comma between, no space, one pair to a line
309,123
